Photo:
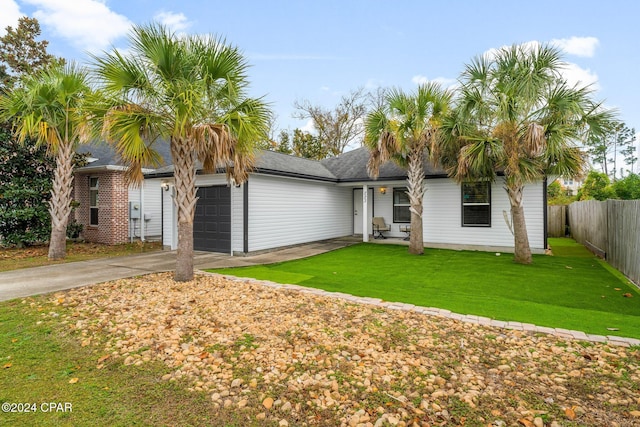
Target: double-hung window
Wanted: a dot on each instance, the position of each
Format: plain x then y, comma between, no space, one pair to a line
401,205
93,200
476,204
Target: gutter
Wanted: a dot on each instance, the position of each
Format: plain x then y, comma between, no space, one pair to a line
105,168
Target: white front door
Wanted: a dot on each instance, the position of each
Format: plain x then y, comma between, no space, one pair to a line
357,210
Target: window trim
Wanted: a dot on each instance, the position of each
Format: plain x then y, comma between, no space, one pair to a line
408,205
95,207
463,204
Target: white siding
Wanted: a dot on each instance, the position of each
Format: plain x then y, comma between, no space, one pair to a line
285,211
134,196
169,225
150,207
442,216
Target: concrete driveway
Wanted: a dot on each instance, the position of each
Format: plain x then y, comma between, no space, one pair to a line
39,280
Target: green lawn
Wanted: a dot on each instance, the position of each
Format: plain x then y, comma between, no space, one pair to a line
571,290
42,362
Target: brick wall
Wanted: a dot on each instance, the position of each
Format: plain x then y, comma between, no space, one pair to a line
113,207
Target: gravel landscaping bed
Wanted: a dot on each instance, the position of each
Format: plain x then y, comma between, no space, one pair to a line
285,357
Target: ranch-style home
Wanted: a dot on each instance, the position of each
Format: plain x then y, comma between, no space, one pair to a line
290,200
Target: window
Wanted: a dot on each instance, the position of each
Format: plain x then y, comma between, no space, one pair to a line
93,201
401,205
476,204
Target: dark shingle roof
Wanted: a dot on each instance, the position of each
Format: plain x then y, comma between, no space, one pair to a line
272,163
352,166
283,164
347,167
106,155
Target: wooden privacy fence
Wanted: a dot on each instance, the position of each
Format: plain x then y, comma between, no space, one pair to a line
556,221
613,227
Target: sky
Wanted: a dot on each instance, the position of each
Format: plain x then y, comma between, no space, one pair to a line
321,50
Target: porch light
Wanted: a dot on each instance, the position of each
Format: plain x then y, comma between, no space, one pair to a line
383,190
164,185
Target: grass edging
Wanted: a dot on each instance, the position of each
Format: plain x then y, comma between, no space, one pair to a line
570,291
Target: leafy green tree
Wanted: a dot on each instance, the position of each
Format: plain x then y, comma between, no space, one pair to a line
629,152
304,144
554,189
627,188
403,129
300,144
284,143
616,139
189,90
26,170
597,186
49,107
557,195
21,54
516,116
26,174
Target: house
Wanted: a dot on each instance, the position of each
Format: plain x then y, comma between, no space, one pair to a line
570,185
289,200
110,211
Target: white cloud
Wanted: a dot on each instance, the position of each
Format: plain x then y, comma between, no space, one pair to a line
324,88
443,81
527,46
575,75
10,15
88,24
579,46
308,127
373,84
419,79
175,21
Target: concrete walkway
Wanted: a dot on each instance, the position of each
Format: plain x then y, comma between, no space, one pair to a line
39,280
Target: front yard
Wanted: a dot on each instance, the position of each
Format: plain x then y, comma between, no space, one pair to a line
570,290
214,352
236,353
35,256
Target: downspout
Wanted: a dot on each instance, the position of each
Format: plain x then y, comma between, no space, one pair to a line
545,210
162,216
143,221
245,217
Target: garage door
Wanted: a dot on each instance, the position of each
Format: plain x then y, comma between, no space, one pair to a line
212,220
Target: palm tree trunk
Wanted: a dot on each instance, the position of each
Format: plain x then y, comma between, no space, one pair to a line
184,172
415,180
521,238
60,203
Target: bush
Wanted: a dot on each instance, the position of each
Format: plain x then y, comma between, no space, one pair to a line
74,228
596,186
26,174
627,188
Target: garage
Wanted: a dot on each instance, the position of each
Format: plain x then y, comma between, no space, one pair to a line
212,220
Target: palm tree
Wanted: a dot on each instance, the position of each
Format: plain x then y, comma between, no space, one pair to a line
190,91
403,129
49,106
518,117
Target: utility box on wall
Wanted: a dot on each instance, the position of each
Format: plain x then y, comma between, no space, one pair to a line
134,210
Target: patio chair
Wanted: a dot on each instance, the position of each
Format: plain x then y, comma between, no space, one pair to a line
406,229
379,226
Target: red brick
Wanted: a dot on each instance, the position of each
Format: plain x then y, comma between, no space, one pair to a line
113,209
